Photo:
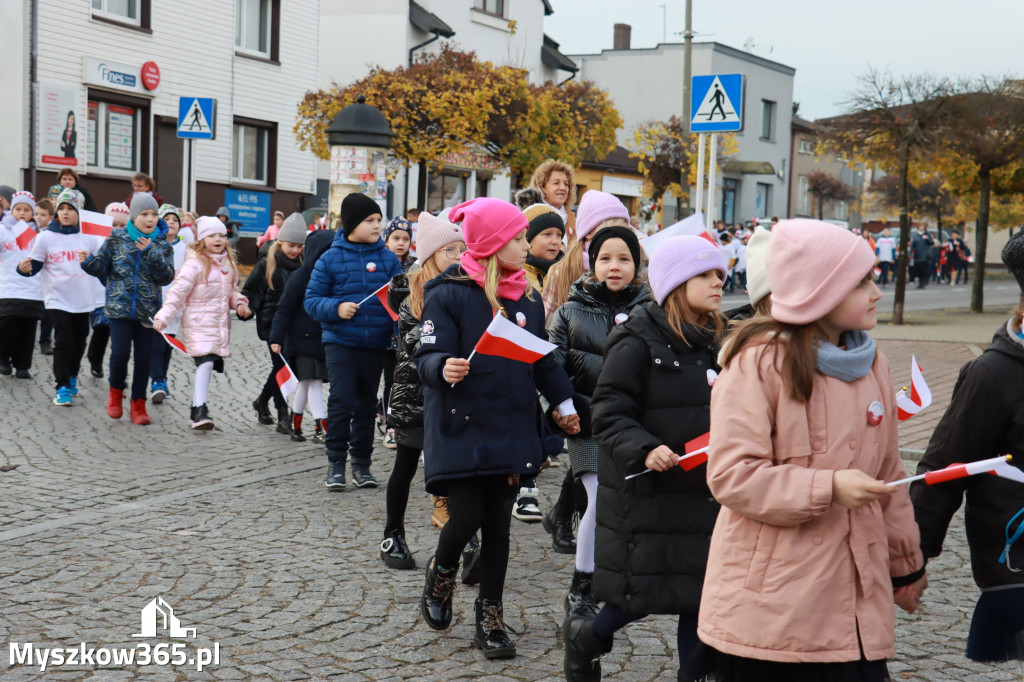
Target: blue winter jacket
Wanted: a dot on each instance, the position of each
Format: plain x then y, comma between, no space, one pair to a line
490,422
133,278
348,273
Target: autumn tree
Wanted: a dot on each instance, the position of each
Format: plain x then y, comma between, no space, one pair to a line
889,123
827,187
451,101
927,196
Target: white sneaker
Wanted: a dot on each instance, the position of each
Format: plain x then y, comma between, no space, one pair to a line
389,440
526,508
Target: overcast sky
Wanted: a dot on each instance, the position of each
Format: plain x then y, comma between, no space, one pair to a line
828,43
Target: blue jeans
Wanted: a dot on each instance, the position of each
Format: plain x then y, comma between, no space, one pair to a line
128,337
354,374
161,359
611,619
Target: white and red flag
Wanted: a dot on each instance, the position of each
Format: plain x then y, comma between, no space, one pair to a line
1000,466
94,223
696,454
692,226
920,395
508,340
174,343
382,296
285,378
26,236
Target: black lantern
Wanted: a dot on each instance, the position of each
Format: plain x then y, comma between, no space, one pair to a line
360,125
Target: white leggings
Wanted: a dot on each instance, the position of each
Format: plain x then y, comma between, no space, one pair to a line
202,388
310,391
588,526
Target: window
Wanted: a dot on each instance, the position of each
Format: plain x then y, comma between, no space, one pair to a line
842,211
113,137
730,187
767,120
253,151
120,10
491,6
764,200
445,191
803,196
806,147
256,28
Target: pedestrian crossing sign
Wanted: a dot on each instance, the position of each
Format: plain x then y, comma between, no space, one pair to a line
716,103
197,118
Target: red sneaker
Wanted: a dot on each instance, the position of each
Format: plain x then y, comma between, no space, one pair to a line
138,412
114,398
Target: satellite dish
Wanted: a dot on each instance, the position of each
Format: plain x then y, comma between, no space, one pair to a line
748,44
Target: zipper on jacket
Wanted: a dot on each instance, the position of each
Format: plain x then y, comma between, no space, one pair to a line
135,284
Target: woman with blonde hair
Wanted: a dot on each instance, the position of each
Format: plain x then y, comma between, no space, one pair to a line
557,183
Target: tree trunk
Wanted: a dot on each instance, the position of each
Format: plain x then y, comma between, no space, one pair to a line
821,208
981,242
421,187
904,252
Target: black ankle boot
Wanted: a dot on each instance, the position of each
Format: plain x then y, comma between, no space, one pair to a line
471,562
284,421
558,522
262,407
580,600
583,650
491,636
438,590
395,553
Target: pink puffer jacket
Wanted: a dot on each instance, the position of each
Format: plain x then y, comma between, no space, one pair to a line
205,304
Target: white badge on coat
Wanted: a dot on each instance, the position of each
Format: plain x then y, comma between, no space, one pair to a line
521,319
371,267
875,413
712,377
621,317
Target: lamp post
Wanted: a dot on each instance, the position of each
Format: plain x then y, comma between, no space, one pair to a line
359,138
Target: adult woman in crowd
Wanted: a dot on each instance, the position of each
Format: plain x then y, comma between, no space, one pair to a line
68,179
556,182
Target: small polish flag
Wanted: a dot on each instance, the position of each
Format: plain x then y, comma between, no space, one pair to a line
505,339
1000,466
696,452
382,296
26,236
94,223
285,378
693,226
920,395
174,343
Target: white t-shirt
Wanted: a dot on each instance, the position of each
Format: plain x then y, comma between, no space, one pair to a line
741,256
65,285
13,284
728,253
886,249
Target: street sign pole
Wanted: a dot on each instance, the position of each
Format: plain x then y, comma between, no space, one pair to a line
710,213
184,175
700,172
192,176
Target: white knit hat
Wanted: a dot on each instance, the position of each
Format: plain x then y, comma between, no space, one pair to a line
434,233
757,270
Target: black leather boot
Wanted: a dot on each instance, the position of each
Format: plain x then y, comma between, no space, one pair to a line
491,636
583,650
436,603
471,562
262,407
395,553
558,522
580,600
284,421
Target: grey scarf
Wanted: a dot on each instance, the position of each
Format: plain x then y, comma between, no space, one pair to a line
849,364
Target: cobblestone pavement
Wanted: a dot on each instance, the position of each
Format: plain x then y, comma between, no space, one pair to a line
233,528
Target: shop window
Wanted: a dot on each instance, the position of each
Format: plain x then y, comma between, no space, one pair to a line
127,12
445,191
256,28
113,139
253,147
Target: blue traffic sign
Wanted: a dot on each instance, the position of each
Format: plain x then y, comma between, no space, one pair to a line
197,118
716,103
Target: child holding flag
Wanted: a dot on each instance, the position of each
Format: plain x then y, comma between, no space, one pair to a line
263,288
68,291
21,300
650,400
134,263
599,301
205,292
984,420
161,356
811,546
481,421
355,334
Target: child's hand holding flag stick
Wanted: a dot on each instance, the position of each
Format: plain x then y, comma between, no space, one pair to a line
696,454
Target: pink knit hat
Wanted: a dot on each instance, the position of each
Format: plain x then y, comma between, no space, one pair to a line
117,207
812,266
487,224
207,226
434,233
678,259
595,208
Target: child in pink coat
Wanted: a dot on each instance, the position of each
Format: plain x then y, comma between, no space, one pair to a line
810,548
205,291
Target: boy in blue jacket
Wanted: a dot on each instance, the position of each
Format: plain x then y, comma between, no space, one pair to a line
356,337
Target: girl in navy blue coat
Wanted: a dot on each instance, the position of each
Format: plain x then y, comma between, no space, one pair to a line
481,423
356,336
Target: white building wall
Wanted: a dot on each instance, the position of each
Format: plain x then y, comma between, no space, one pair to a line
14,38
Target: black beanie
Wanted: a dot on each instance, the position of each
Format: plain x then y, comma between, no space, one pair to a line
1013,257
544,221
615,232
355,208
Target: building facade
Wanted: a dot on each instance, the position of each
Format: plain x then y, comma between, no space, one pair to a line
805,161
115,70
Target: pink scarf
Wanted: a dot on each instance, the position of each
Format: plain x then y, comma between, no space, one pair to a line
511,286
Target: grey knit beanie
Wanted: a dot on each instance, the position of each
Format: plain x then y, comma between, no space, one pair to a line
293,230
141,201
1013,257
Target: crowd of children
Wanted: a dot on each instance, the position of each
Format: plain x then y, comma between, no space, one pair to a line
782,558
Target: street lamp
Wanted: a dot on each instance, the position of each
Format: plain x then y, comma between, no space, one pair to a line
359,137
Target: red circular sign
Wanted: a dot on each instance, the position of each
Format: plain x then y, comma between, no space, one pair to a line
150,75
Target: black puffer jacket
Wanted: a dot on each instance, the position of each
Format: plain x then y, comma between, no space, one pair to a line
405,409
984,419
653,532
294,330
262,298
580,328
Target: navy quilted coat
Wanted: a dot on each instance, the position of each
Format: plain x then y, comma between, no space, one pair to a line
133,277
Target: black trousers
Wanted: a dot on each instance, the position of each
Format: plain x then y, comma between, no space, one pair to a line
128,338
484,503
70,331
98,346
407,460
18,340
